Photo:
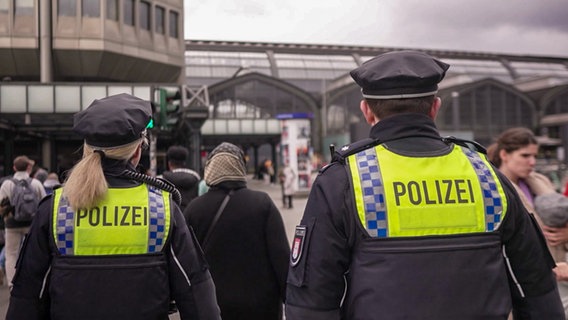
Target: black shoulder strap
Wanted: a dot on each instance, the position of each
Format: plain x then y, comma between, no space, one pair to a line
216,218
353,148
156,182
472,145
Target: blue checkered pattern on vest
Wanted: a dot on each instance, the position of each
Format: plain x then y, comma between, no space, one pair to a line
491,197
373,193
157,220
65,227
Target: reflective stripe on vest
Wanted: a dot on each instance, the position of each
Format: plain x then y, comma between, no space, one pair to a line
127,221
402,196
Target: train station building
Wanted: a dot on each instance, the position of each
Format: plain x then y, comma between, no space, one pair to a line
57,56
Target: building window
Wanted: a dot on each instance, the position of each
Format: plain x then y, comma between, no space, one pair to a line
145,15
129,12
174,24
91,8
160,20
4,7
112,10
67,8
24,7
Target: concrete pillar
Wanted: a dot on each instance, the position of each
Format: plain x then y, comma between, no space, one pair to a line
46,152
45,54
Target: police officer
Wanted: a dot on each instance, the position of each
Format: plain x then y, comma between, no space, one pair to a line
410,225
112,243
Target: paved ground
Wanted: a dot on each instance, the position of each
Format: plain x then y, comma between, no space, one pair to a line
291,217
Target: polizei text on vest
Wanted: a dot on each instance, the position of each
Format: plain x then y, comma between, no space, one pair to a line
448,191
113,216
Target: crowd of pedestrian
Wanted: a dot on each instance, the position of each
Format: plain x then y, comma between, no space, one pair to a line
488,233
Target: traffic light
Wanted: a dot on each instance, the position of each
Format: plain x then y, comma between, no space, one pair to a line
170,102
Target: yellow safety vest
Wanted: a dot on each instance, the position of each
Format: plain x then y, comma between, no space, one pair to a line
127,221
400,196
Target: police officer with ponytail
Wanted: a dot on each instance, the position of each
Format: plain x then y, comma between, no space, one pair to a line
111,243
410,225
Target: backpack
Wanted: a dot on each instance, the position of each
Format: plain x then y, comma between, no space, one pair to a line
24,200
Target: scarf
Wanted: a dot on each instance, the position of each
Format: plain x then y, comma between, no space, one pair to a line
225,163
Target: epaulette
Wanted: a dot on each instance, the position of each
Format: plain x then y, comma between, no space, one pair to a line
352,148
472,145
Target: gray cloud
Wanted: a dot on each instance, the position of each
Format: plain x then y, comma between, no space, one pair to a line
524,27
485,14
535,27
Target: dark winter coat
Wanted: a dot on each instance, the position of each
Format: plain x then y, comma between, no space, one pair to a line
186,181
247,251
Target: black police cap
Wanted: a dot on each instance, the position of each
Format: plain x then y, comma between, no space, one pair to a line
400,75
113,121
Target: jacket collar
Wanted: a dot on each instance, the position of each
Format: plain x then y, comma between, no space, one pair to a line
228,185
21,175
404,126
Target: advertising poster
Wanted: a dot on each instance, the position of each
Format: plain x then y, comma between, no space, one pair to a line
296,146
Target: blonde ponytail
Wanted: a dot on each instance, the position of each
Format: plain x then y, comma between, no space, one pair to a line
86,184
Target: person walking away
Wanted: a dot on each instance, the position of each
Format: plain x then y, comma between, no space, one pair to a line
202,187
289,186
281,180
17,224
112,242
185,180
51,182
40,174
270,171
409,225
243,236
514,153
262,173
266,171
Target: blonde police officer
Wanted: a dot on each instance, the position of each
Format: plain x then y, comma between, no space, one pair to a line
410,225
111,244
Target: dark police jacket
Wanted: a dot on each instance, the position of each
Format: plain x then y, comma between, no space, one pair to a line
127,286
338,271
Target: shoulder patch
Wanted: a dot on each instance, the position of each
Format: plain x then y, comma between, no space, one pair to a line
298,245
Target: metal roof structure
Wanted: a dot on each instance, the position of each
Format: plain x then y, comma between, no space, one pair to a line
519,89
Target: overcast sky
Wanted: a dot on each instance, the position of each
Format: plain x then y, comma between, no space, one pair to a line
524,27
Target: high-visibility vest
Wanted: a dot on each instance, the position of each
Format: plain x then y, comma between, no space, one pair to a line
127,221
402,196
